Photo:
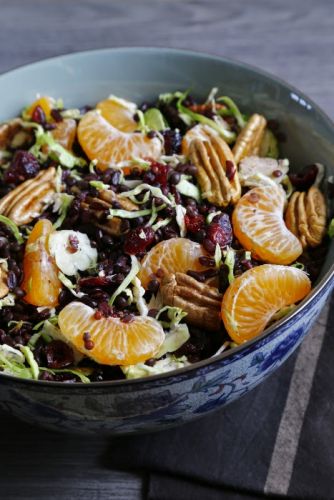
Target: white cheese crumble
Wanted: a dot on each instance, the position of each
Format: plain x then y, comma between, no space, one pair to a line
70,259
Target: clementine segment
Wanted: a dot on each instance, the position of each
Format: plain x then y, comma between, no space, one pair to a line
253,298
102,141
119,113
65,132
259,226
171,256
40,273
112,342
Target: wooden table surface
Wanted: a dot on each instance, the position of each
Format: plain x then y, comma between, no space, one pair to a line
293,39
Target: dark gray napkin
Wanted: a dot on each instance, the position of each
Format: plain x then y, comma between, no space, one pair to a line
228,454
230,449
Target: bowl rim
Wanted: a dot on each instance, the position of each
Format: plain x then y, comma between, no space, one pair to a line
268,331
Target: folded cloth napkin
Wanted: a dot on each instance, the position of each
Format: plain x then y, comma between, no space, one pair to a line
277,440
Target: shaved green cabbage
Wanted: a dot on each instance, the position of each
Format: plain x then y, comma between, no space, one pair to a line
229,262
55,150
155,191
167,364
225,133
174,339
155,120
233,108
127,280
13,227
188,189
28,354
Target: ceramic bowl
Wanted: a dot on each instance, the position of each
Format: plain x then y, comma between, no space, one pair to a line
165,400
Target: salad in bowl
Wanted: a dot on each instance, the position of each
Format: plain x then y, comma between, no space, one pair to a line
136,239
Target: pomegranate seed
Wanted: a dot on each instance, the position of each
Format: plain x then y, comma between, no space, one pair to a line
89,345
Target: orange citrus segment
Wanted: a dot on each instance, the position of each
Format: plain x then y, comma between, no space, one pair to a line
102,141
114,342
171,256
46,103
65,132
40,273
259,226
253,298
119,113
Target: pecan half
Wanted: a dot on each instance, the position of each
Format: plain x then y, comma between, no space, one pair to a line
14,135
249,140
99,207
110,197
216,169
306,216
201,302
29,199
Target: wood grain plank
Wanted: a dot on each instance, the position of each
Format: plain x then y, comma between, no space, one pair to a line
293,40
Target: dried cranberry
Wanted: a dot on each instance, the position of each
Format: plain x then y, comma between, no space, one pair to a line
160,172
137,240
23,166
95,281
38,115
58,354
303,180
172,140
220,231
194,222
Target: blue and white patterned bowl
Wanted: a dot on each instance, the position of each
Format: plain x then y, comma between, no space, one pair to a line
165,400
